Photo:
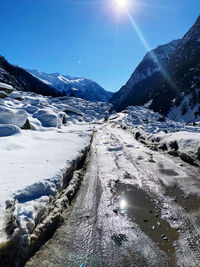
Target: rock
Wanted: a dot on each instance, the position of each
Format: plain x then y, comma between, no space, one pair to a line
163,147
137,135
64,120
187,159
26,126
16,117
6,88
49,120
146,121
123,127
157,139
115,211
9,203
162,119
198,153
31,109
3,94
174,145
173,153
16,96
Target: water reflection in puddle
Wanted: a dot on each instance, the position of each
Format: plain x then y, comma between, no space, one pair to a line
142,210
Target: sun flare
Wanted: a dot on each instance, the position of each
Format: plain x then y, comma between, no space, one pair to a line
121,3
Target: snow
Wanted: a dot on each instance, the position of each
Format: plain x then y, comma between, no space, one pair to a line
7,130
12,116
34,162
151,64
157,130
6,86
3,94
176,112
79,87
149,121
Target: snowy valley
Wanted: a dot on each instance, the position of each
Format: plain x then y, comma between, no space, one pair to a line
85,185
44,144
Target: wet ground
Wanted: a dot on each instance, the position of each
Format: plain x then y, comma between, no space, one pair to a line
142,209
135,207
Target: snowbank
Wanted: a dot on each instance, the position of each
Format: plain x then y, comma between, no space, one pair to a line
12,116
7,130
177,138
32,163
5,87
38,160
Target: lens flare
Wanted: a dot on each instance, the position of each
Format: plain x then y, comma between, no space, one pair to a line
149,49
123,204
122,3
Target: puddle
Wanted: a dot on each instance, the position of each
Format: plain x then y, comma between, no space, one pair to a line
168,172
188,202
141,209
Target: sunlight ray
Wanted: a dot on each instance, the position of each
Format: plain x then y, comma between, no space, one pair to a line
149,49
116,33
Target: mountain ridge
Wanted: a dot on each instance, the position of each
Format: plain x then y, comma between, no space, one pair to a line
22,80
151,63
173,88
73,86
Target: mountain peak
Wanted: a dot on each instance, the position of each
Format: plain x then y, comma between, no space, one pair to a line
193,34
73,86
149,66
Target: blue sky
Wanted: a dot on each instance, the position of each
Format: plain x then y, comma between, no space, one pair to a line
89,38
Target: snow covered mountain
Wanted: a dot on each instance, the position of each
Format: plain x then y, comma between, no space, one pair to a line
180,97
23,80
73,86
137,85
184,68
171,84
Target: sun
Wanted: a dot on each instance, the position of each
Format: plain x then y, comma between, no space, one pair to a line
122,3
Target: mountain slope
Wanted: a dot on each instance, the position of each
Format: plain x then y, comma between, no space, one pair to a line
183,90
73,86
143,76
173,89
22,80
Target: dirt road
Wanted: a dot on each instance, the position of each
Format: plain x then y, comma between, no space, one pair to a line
135,207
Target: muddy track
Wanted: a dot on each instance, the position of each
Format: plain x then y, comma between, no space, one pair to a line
135,207
189,229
